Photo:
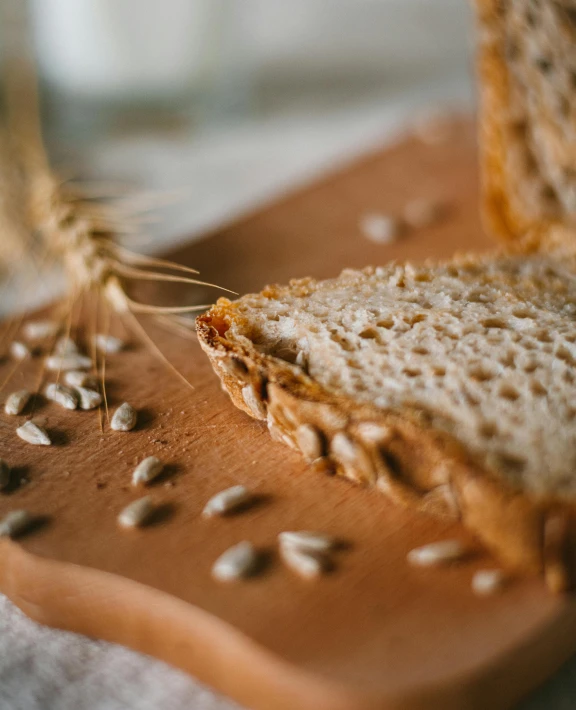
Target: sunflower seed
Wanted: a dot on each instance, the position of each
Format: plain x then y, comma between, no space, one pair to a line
124,418
253,402
305,563
380,228
487,581
15,523
88,399
354,460
307,541
147,470
437,553
309,441
77,378
4,474
16,402
19,351
108,344
65,346
39,329
227,501
62,395
422,213
237,562
136,513
68,362
33,434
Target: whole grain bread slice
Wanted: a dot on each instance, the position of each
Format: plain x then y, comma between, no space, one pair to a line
527,68
449,387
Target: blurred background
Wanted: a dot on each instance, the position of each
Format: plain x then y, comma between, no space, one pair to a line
231,102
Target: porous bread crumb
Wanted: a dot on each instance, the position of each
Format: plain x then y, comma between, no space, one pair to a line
485,348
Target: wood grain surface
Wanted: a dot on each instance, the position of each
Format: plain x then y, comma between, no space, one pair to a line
374,634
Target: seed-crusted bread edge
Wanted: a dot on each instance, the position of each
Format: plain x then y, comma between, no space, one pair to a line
404,457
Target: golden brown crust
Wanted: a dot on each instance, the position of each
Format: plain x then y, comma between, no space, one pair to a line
414,464
503,214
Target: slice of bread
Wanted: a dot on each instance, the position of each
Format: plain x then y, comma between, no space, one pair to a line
527,67
451,387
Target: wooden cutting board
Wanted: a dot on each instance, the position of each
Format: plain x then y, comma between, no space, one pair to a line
374,634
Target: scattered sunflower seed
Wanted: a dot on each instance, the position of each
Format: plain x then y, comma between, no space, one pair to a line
108,344
19,351
16,402
124,418
147,470
237,562
307,541
136,513
39,329
77,378
487,581
65,346
227,501
4,474
68,362
437,553
15,523
33,434
305,563
422,213
88,399
380,228
62,395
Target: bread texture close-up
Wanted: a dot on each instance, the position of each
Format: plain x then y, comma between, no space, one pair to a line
450,387
527,71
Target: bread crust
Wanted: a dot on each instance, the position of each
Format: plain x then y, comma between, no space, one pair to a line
400,453
503,216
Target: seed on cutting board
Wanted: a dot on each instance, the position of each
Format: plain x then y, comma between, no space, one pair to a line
147,470
124,418
305,563
33,434
19,351
422,213
380,228
437,553
16,402
307,540
68,362
77,378
237,562
136,513
62,395
487,581
39,329
4,474
66,346
108,344
15,523
227,501
88,399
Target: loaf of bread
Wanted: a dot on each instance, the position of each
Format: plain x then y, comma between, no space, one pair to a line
527,66
450,387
